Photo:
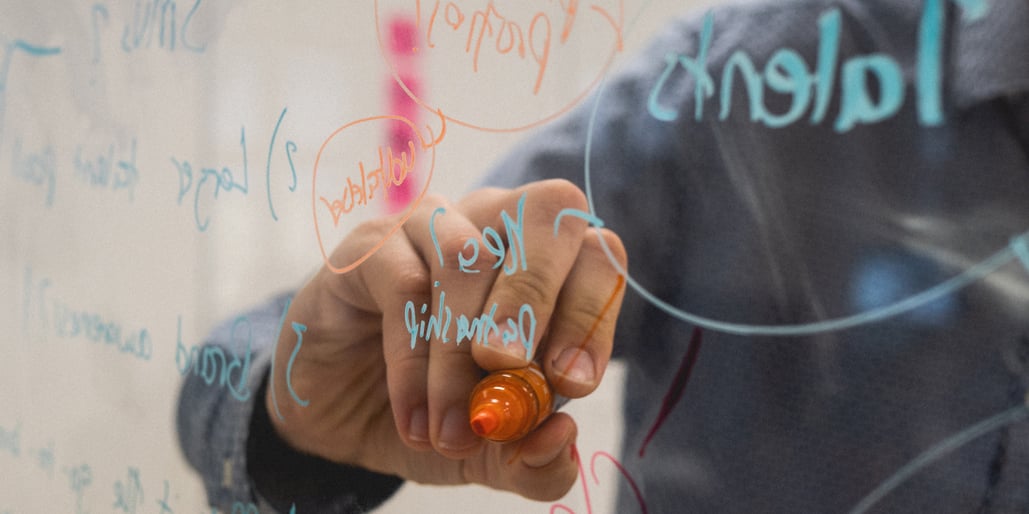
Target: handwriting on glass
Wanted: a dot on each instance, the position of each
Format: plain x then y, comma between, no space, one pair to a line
57,316
593,471
211,363
104,171
479,328
157,24
335,155
476,35
391,172
230,179
872,86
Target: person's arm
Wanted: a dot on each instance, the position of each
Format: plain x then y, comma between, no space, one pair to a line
227,435
625,139
285,478
371,397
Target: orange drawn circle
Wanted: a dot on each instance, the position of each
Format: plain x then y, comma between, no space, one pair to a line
403,219
616,47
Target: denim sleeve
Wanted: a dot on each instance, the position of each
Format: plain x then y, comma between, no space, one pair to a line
226,435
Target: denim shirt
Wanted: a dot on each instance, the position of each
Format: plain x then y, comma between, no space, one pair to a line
856,274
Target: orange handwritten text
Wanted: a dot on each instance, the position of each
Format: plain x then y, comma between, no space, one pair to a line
506,36
484,42
392,171
333,168
593,471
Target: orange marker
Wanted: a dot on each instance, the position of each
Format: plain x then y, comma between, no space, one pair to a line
508,404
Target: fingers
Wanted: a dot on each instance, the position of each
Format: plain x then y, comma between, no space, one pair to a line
405,336
476,286
581,335
540,467
397,280
460,285
535,266
579,327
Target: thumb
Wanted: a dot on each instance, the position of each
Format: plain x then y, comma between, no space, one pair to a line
540,466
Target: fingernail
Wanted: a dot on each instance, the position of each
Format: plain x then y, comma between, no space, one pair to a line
418,431
576,365
456,434
495,342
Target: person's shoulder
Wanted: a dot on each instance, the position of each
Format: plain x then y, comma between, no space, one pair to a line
763,26
755,30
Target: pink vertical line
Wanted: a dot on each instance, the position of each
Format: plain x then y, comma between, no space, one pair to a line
674,394
404,54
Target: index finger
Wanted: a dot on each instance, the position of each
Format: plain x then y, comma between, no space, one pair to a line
535,263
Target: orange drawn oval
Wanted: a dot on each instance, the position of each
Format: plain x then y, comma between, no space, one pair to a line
316,201
442,15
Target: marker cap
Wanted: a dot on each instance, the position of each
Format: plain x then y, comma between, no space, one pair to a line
508,404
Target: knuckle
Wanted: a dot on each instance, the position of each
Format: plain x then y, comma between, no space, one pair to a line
531,286
482,193
433,200
564,194
550,197
402,366
362,236
579,318
377,225
453,244
611,241
410,281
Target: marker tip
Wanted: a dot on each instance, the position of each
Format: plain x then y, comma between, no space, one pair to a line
484,422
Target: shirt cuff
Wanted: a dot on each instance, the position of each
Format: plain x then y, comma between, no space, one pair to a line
286,478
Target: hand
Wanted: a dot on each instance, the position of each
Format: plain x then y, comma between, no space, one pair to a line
378,403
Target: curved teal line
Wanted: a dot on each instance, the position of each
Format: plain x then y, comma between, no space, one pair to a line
588,217
933,454
35,49
951,285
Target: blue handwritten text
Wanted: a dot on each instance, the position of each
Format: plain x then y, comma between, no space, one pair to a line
102,171
872,86
158,17
10,440
38,168
210,362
